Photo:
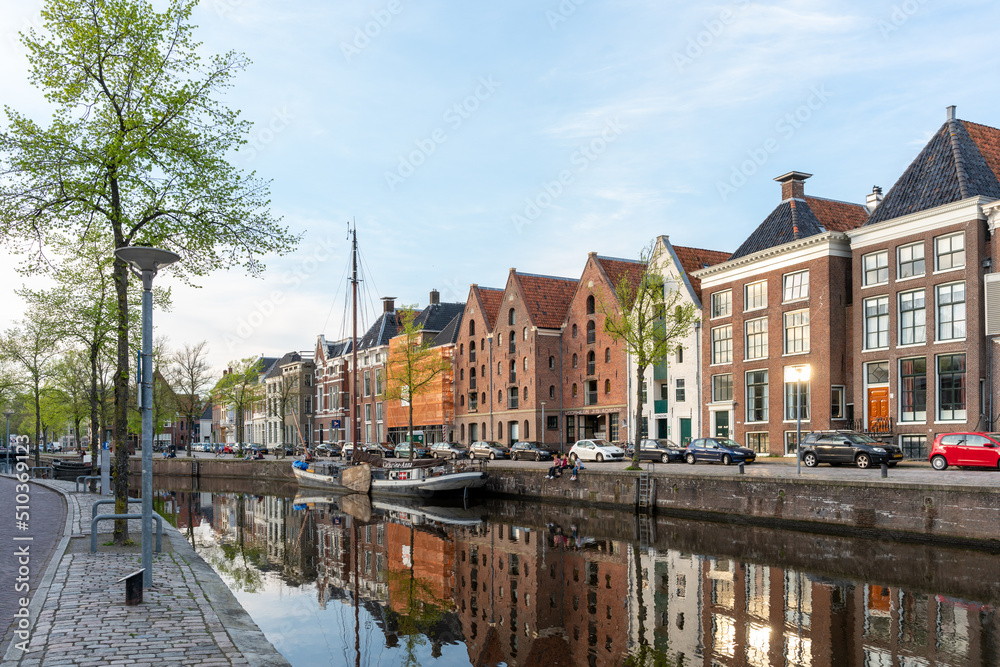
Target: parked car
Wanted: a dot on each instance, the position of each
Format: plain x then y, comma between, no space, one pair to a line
322,450
447,450
660,449
721,450
402,451
483,449
347,450
529,450
966,449
847,447
596,450
383,449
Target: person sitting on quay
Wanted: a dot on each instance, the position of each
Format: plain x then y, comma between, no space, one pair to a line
577,467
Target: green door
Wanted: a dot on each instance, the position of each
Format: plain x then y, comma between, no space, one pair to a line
662,428
722,424
685,431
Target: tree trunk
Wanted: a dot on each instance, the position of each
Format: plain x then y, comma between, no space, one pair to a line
38,421
409,410
119,470
95,426
640,376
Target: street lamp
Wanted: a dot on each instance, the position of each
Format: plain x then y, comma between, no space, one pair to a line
798,375
145,263
543,424
6,446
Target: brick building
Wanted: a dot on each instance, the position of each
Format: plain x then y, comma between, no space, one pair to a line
473,383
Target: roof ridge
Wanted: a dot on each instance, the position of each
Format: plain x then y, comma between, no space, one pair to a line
956,154
969,122
839,201
691,247
620,259
540,275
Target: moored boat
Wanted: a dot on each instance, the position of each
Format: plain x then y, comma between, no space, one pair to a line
422,478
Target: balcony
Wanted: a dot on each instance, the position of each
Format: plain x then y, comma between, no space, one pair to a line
660,406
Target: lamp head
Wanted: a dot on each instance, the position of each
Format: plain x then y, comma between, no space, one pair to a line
143,258
798,373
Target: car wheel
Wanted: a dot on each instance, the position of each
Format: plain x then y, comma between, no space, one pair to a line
939,463
863,461
538,457
809,460
472,456
690,459
454,455
726,459
493,455
600,458
664,458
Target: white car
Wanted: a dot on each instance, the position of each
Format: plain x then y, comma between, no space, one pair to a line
596,450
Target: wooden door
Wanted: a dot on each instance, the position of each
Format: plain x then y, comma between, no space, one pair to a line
878,406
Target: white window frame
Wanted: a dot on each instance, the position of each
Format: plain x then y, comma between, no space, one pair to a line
767,397
917,418
760,300
912,259
721,355
785,331
718,302
882,255
939,319
880,320
951,251
806,409
914,314
791,283
757,349
938,392
841,391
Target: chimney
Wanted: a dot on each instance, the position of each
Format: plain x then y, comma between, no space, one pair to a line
950,112
793,185
435,297
874,199
388,304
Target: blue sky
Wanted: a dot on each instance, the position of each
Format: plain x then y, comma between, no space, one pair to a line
468,138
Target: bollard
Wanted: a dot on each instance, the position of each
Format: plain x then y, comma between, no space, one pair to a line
741,469
133,588
885,471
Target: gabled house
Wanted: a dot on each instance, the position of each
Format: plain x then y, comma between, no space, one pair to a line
331,381
473,386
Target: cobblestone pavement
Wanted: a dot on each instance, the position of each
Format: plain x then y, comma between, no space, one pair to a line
188,616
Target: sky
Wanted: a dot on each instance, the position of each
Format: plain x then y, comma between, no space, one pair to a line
467,138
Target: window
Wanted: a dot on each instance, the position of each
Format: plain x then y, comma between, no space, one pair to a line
607,386
607,355
552,362
574,360
551,422
574,390
461,374
644,398
473,401
510,316
911,261
951,387
797,332
757,442
912,318
914,446
755,296
722,303
680,355
679,391
513,342
951,311
722,387
524,334
590,304
552,391
756,339
722,344
574,331
791,401
613,426
796,286
837,403
877,323
757,396
368,383
949,252
913,390
472,327
591,363
876,268
591,332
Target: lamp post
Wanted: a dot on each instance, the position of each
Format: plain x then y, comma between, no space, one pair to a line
6,447
798,375
543,424
145,263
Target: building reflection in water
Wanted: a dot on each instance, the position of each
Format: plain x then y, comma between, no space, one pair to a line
554,595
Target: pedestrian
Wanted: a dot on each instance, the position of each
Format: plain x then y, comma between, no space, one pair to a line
555,470
577,467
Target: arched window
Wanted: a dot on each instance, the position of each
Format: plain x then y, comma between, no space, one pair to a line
527,435
461,400
590,304
525,363
472,372
607,355
461,373
513,340
482,343
513,365
574,331
552,362
500,396
552,391
524,333
472,327
591,331
510,316
461,348
607,386
482,372
482,400
574,360
590,363
574,390
524,397
500,431
499,339
483,426
499,368
461,430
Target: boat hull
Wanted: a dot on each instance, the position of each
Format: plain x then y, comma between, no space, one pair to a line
426,487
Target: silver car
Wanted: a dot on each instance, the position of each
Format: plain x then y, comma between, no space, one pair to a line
483,449
447,450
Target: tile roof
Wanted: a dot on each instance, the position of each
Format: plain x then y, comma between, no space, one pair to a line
491,297
801,218
961,160
546,298
837,216
616,269
378,334
207,414
437,316
693,259
449,335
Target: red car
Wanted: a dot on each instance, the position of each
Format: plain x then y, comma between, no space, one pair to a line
966,449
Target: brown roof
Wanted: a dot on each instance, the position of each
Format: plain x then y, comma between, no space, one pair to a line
693,259
546,298
616,269
491,297
988,141
837,216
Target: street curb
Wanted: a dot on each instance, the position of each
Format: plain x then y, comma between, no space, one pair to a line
42,591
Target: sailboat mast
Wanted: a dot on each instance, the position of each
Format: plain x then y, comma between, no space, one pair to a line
355,435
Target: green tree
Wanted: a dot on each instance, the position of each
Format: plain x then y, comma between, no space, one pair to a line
70,385
239,389
31,348
190,375
413,365
650,319
137,147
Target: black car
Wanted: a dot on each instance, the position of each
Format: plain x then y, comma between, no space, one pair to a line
529,450
847,447
723,450
660,449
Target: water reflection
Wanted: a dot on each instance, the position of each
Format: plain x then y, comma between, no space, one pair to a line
340,581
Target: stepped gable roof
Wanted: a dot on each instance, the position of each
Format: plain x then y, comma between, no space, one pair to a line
491,297
449,335
435,317
693,259
961,160
378,335
546,297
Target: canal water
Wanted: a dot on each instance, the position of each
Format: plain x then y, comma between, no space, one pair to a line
346,581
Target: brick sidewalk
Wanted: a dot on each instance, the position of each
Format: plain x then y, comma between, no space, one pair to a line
188,617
